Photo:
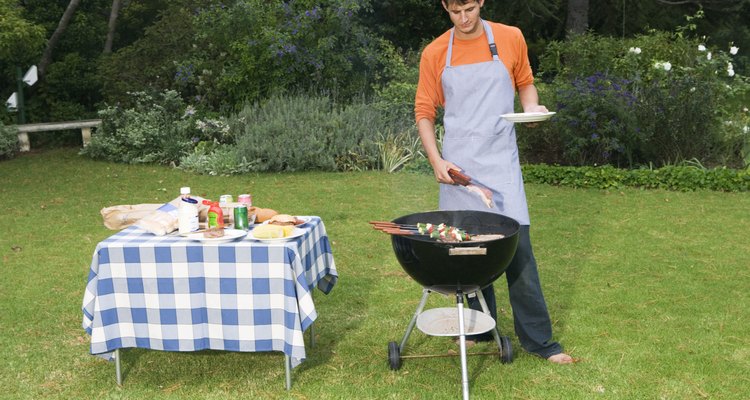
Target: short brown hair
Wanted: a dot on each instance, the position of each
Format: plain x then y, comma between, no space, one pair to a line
449,2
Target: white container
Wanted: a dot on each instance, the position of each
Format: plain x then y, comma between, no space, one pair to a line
187,214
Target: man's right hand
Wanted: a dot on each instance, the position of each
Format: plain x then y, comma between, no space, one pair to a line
440,168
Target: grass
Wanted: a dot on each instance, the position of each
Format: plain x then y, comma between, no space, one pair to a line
649,289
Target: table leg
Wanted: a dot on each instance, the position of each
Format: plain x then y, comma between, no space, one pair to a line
117,367
288,368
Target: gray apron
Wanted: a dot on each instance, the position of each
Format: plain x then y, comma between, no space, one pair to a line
477,139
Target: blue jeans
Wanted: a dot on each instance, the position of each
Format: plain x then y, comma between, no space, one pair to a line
530,315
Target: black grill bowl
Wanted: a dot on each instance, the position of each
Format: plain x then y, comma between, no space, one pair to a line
429,263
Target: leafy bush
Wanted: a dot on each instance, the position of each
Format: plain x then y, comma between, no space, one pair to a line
679,178
658,98
156,130
296,133
8,141
228,54
596,122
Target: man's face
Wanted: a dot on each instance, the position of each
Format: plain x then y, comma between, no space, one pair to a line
465,17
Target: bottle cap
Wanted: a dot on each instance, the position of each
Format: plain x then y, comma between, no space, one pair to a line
189,200
185,190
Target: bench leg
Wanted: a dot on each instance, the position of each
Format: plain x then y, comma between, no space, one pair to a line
86,135
23,141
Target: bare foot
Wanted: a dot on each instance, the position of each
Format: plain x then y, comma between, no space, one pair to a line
561,358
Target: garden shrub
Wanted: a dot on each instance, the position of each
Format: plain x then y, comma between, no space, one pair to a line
296,133
672,177
224,55
157,129
8,141
658,98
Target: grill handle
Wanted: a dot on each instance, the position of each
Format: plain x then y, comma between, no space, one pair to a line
467,251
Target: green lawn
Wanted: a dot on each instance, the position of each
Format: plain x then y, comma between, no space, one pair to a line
649,289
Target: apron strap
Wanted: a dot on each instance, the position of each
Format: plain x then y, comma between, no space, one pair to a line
450,50
490,41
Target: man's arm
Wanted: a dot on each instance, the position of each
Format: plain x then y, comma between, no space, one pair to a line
440,167
529,98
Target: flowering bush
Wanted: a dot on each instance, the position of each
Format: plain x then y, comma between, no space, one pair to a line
251,49
661,98
602,134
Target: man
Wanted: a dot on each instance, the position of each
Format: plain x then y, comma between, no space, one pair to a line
473,71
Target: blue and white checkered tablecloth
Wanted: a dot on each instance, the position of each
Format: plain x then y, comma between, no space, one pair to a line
175,294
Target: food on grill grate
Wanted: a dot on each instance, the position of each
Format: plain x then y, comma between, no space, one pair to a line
443,232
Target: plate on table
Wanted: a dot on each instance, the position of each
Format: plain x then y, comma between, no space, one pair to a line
297,232
300,221
229,235
529,117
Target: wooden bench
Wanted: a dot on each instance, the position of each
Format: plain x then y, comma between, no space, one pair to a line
84,125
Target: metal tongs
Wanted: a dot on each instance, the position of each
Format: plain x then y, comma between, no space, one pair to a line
472,186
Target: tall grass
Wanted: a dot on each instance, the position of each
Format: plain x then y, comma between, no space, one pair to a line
649,289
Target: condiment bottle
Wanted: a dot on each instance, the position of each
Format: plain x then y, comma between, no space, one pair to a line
187,213
215,215
226,203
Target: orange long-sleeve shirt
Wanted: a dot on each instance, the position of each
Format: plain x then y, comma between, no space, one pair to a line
512,50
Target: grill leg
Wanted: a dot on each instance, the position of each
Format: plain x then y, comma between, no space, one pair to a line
486,310
462,342
420,307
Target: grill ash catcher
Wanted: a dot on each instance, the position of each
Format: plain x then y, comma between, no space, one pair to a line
458,269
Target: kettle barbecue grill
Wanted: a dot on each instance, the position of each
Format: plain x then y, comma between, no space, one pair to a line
455,268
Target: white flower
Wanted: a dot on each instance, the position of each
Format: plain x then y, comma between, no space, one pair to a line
636,50
667,66
730,66
701,47
189,111
733,50
745,129
708,55
730,72
692,89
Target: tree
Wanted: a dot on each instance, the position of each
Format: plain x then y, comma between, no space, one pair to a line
578,17
52,42
18,36
722,5
113,13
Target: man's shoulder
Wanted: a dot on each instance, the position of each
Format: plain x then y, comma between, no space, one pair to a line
438,46
502,29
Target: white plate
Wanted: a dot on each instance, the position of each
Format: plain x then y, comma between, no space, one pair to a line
303,219
229,235
529,117
297,232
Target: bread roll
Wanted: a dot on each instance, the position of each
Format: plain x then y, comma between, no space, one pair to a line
263,214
